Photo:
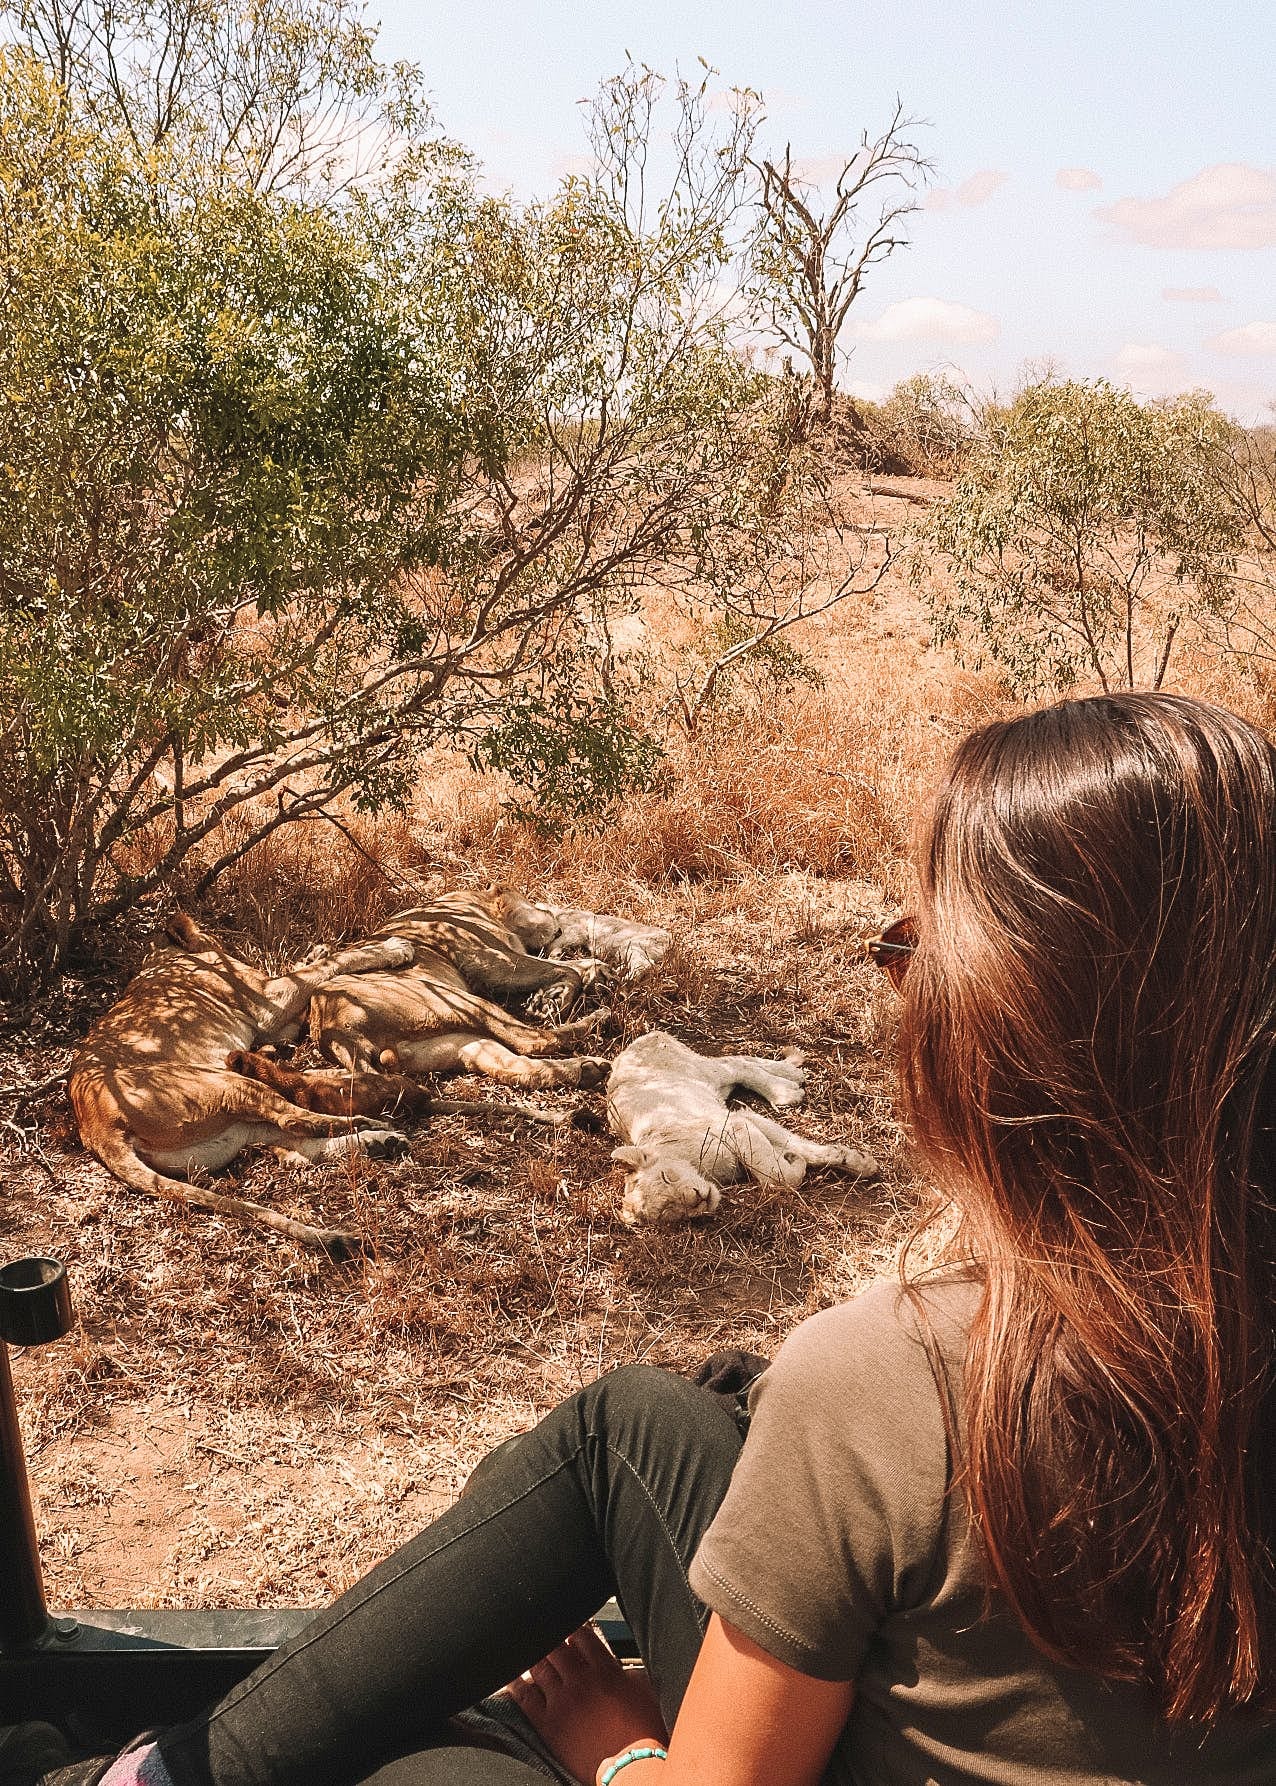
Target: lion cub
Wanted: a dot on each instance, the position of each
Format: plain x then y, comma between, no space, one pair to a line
682,1141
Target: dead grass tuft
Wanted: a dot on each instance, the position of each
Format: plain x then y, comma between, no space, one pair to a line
318,880
833,792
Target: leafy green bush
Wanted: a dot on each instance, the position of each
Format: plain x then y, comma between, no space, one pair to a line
1085,530
312,459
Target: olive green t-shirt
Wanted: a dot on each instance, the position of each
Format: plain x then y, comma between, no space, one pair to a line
839,1550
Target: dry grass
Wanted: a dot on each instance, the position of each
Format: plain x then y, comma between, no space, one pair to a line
496,1279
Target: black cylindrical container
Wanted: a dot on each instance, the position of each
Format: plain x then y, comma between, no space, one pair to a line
35,1302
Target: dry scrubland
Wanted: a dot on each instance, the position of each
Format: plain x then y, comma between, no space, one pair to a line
236,1421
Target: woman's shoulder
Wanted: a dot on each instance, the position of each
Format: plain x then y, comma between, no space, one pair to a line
908,1335
867,1392
849,1438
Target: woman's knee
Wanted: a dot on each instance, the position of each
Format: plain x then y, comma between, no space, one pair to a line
642,1394
633,1399
640,1404
637,1411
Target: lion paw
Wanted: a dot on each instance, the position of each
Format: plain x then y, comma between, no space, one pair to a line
398,951
383,1144
585,1070
859,1165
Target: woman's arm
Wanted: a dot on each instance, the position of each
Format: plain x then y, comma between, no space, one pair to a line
747,1720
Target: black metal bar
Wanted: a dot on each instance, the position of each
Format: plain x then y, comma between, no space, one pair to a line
35,1302
103,1676
23,1616
35,1306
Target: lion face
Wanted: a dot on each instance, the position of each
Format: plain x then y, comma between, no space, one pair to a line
663,1189
532,924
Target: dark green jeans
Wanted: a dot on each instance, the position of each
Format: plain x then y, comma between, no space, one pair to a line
610,1494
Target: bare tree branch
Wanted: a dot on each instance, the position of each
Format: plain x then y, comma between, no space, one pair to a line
811,264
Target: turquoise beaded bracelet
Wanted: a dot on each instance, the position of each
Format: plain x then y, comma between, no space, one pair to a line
632,1755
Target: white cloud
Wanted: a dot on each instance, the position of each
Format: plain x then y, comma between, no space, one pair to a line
1149,367
1229,205
869,389
1251,400
1257,339
930,319
1192,294
821,170
567,167
1078,179
977,190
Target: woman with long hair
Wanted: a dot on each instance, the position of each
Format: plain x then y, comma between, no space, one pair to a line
1010,1521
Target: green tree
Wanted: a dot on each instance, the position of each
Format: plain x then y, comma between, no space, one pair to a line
1081,535
311,460
1242,467
215,433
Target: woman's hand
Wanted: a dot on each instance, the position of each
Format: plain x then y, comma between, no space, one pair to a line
586,1707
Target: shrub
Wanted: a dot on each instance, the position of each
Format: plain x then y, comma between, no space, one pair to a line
925,428
1082,535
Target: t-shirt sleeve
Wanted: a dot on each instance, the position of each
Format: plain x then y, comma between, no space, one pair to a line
833,1518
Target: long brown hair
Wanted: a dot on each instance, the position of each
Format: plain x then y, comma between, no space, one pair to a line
1088,1033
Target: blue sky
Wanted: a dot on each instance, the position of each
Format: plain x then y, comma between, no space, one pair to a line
1091,159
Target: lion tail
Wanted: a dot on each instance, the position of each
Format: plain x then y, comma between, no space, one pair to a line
109,1140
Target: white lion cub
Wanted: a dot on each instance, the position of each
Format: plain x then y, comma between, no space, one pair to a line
681,1141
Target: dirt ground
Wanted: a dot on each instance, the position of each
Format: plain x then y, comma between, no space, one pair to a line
236,1421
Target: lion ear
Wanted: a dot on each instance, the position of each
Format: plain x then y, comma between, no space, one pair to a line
632,1156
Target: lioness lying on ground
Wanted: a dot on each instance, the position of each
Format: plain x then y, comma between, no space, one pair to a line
682,1142
484,935
153,1095
425,1019
627,948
